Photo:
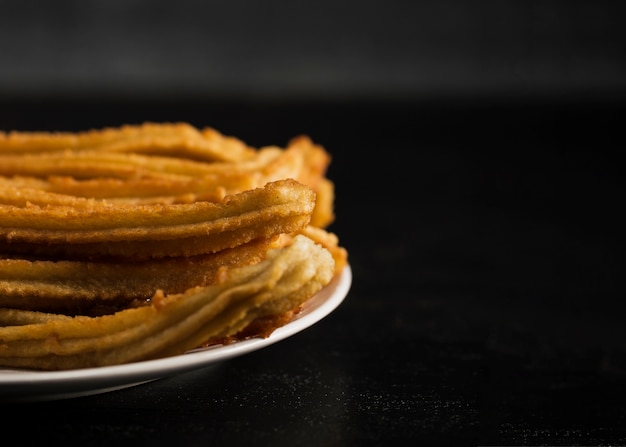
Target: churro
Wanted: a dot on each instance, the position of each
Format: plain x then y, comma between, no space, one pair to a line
155,231
179,139
174,324
93,288
146,241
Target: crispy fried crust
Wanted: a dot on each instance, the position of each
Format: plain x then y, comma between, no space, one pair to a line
179,139
139,242
128,178
155,231
92,288
175,324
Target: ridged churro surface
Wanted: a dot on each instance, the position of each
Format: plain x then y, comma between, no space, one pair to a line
145,241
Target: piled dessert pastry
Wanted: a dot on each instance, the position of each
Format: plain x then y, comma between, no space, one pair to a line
146,241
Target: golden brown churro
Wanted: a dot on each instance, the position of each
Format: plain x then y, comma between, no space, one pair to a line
179,139
155,231
135,179
91,288
177,323
145,241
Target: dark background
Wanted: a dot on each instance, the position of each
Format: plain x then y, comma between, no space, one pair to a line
311,49
477,160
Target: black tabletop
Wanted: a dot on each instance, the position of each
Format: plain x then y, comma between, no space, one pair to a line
487,304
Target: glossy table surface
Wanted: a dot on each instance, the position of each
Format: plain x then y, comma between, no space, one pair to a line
487,305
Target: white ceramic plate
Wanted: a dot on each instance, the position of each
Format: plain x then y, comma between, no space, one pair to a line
22,385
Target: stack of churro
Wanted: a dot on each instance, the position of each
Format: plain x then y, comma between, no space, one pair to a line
145,241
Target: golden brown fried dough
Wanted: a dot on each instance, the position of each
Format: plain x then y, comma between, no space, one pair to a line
175,324
89,167
145,241
329,241
92,288
179,139
155,231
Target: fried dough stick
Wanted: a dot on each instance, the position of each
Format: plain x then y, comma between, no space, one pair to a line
302,160
19,317
170,139
176,324
20,192
93,288
104,175
153,231
329,241
269,163
92,163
